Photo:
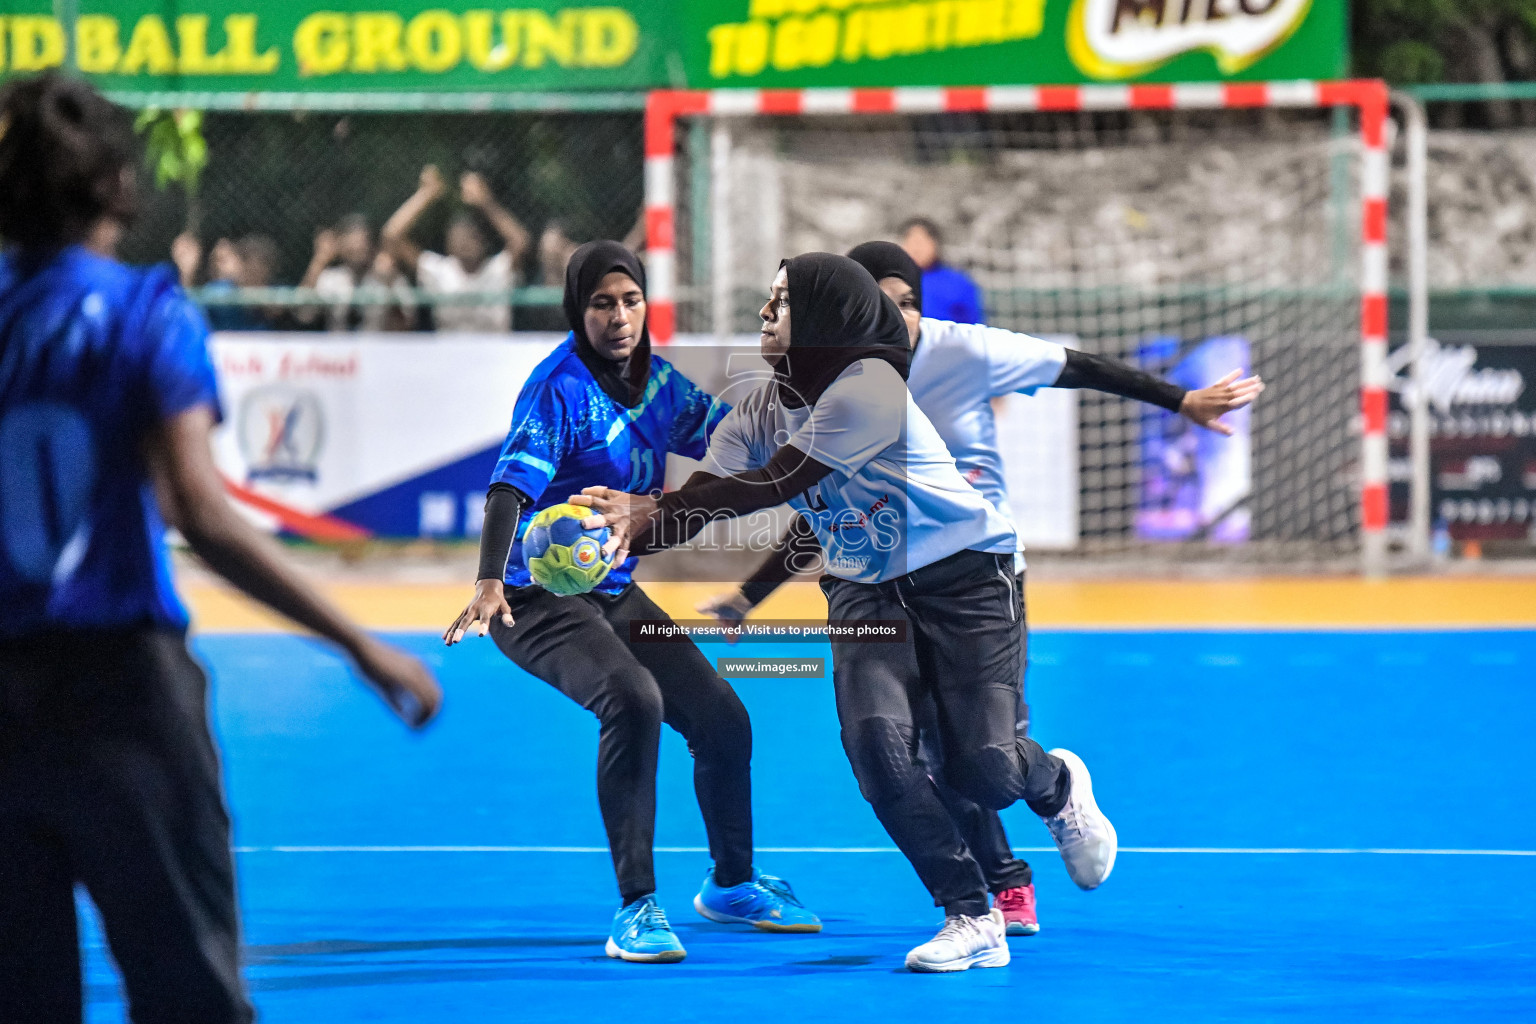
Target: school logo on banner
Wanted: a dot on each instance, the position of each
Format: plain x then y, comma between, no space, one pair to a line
1116,39
281,429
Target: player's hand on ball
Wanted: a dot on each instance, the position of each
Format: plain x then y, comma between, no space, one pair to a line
728,610
405,683
627,516
1206,406
490,600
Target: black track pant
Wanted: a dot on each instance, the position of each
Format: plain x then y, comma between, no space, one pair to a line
981,827
581,646
109,780
967,649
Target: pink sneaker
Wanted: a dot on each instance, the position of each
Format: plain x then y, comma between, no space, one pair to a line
1018,907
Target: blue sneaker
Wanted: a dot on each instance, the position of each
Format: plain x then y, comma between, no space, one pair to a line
764,902
642,935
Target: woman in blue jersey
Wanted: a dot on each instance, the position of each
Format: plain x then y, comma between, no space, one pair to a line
108,774
837,436
602,408
956,370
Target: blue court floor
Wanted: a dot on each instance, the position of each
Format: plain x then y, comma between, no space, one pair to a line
1315,826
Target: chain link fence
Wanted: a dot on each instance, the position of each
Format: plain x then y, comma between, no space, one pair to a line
1150,238
275,179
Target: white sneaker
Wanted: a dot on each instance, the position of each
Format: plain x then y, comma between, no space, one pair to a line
1085,837
962,943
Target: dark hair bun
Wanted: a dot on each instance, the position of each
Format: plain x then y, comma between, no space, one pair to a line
66,156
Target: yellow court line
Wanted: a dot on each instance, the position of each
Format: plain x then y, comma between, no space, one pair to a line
1415,602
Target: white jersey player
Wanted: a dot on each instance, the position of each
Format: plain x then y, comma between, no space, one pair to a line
956,370
910,545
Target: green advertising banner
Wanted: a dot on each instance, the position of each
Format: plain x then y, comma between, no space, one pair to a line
794,43
241,46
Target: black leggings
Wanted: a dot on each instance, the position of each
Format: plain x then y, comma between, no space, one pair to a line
581,646
981,826
109,780
966,654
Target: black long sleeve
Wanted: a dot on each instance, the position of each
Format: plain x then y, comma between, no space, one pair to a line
790,556
705,497
1085,370
504,506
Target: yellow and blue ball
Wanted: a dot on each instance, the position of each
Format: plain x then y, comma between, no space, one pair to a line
562,557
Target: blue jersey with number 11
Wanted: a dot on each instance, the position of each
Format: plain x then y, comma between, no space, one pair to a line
568,434
93,355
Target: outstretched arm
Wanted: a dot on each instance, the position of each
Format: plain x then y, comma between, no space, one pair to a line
649,524
475,192
504,506
395,234
192,499
1203,406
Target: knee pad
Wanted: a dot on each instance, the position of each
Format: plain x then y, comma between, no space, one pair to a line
990,776
881,754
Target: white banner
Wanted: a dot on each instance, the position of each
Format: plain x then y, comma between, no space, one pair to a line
335,435
315,422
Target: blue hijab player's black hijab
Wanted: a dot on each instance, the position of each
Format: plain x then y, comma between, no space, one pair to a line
887,259
838,316
624,381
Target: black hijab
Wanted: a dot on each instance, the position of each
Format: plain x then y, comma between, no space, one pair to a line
838,315
887,259
623,381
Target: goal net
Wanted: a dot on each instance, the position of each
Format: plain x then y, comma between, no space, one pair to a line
1238,230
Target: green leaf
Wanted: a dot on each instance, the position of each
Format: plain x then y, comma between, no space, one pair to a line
174,147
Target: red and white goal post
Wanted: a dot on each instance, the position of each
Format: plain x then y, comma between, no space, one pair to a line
1367,463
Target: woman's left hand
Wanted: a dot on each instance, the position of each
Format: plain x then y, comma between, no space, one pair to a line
626,516
1205,406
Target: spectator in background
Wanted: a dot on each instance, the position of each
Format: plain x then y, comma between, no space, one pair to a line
345,264
554,252
187,254
948,294
400,314
555,249
249,263
258,269
468,266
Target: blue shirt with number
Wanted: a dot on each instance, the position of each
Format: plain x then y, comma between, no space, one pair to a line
568,434
93,354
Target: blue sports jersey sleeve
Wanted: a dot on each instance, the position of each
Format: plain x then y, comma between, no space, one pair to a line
697,414
180,372
539,439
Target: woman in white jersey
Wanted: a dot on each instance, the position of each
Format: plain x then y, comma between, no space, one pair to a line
956,370
908,542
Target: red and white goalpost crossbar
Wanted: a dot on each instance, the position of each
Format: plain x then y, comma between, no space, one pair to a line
664,108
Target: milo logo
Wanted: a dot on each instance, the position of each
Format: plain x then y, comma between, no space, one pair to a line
1125,38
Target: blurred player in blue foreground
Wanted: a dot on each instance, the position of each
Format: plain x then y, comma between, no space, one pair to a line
602,409
957,369
108,774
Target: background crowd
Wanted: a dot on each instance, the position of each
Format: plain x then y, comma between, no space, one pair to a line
392,281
